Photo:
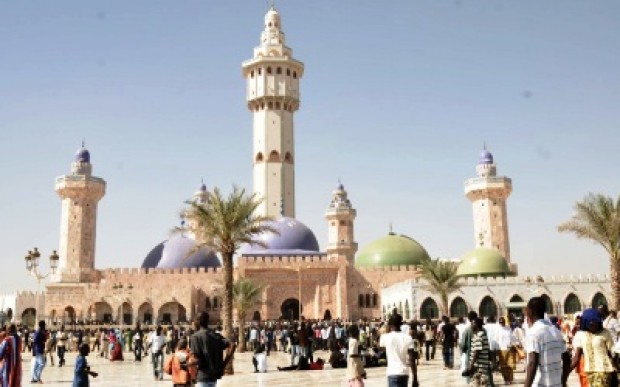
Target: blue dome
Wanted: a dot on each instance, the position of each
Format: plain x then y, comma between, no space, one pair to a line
82,155
175,253
294,238
486,157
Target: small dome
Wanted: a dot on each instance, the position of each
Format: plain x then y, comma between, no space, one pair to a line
82,155
294,237
486,157
176,253
483,262
272,18
392,250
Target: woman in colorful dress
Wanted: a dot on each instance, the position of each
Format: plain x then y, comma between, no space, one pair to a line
593,344
10,351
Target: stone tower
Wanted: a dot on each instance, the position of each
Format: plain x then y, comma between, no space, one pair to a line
273,97
80,192
340,216
488,194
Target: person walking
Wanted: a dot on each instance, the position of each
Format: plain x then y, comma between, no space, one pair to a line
480,370
594,344
399,352
10,352
61,347
157,341
448,336
208,348
547,359
38,353
137,340
465,342
355,368
82,369
507,351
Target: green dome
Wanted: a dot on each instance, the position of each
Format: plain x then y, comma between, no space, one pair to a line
483,262
391,250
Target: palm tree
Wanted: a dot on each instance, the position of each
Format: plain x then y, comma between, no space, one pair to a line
440,278
597,218
223,224
247,293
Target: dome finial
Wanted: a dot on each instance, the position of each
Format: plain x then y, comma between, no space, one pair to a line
83,142
391,231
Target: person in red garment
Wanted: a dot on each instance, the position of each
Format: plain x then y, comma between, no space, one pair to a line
10,351
116,354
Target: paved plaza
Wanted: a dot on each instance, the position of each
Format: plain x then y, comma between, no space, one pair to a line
129,373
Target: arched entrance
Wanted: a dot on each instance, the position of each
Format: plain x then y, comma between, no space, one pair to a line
488,307
68,315
429,309
145,313
171,313
102,312
458,308
572,304
290,309
125,313
598,300
28,316
256,316
327,316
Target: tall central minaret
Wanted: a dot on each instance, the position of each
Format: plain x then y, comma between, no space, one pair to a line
273,97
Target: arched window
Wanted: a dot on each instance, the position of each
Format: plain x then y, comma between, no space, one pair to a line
208,303
360,300
288,72
458,308
516,298
374,300
278,105
295,74
429,309
598,300
259,157
488,307
274,156
572,304
279,70
260,71
368,304
269,105
548,304
288,158
269,70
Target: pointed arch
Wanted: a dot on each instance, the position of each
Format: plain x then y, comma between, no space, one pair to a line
548,304
458,307
488,307
429,309
572,304
599,299
516,298
288,157
259,157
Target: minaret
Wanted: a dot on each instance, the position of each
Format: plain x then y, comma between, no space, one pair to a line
80,192
340,216
273,97
488,194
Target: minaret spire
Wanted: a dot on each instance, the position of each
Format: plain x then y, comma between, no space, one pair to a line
272,77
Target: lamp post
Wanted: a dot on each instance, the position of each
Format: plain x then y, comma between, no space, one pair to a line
32,265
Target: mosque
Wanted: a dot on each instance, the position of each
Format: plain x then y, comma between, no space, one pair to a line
172,285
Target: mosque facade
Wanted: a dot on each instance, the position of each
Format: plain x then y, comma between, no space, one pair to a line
175,281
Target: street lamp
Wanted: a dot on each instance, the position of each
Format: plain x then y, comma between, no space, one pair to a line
32,265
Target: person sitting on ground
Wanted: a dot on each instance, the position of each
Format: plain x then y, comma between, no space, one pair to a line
82,369
303,365
259,360
337,358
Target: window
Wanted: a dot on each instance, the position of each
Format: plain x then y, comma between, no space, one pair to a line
429,309
458,308
295,74
288,72
269,70
274,156
260,71
374,300
279,70
360,300
368,301
259,157
487,307
598,300
572,304
252,74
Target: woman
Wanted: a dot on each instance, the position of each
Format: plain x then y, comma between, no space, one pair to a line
355,369
10,351
116,349
480,362
429,340
593,344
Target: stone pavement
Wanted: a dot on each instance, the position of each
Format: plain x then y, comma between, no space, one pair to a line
129,373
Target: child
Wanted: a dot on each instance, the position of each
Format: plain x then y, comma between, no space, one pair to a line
82,370
182,375
260,359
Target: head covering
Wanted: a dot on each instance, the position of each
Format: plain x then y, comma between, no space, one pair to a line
590,316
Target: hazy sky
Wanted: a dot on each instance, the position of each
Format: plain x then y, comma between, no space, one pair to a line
397,100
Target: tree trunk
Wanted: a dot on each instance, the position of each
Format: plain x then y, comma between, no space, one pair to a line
444,305
242,343
615,284
227,259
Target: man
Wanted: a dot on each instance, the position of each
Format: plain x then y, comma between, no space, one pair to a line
137,339
507,352
480,359
491,328
157,341
61,347
10,351
610,322
465,341
547,359
38,353
207,348
448,336
398,347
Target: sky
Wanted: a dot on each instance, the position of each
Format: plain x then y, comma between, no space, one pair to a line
397,100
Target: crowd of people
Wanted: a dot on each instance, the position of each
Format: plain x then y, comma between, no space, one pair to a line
489,349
